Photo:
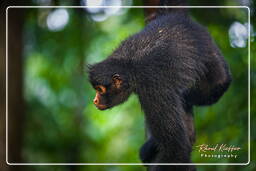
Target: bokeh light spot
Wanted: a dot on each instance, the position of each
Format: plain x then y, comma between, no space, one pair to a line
57,19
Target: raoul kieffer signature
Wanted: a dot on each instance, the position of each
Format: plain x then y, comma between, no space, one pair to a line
217,148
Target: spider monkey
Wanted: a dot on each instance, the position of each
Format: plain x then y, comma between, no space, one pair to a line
172,65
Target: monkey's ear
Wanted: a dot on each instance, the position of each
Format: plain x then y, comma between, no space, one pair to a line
117,80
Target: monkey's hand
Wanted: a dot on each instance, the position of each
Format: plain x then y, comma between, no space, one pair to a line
148,151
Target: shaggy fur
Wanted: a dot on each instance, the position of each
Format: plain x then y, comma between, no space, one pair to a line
172,64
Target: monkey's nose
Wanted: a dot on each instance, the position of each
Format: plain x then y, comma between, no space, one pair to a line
95,101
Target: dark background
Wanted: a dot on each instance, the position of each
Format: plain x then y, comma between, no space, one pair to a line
51,118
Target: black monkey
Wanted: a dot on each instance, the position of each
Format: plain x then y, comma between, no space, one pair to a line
172,64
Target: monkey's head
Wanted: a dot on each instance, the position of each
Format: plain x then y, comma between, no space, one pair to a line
111,84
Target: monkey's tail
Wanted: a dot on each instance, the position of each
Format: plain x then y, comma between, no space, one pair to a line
172,3
152,13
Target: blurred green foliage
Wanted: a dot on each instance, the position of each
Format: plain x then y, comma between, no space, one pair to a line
62,124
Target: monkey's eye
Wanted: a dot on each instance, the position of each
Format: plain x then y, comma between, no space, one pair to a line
101,89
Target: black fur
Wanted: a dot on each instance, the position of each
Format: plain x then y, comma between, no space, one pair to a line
148,151
172,64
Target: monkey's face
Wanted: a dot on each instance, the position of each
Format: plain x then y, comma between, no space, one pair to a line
111,94
111,82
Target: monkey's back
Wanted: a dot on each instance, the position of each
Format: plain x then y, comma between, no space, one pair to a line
171,43
170,37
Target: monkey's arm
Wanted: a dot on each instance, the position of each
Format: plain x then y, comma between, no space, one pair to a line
163,111
148,151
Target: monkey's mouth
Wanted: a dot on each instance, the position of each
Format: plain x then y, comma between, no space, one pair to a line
101,107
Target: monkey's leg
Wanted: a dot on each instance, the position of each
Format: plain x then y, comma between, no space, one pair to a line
208,90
